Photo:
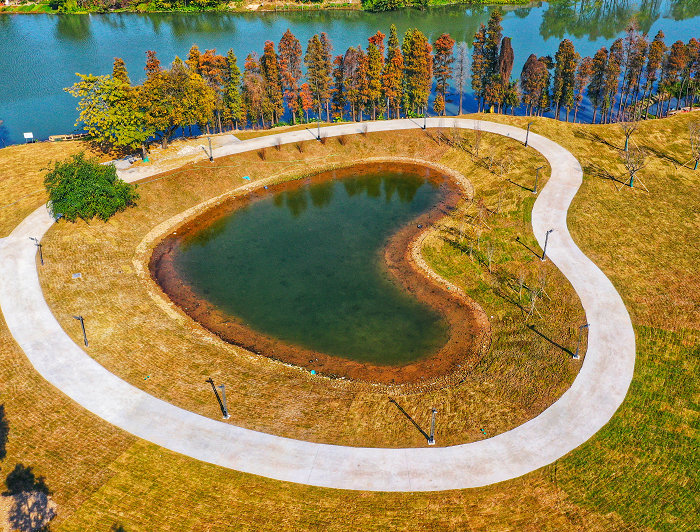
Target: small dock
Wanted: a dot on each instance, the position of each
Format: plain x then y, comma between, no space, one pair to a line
72,136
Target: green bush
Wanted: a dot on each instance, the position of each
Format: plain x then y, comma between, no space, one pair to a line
83,188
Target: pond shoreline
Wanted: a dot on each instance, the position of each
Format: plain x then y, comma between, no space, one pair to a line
468,324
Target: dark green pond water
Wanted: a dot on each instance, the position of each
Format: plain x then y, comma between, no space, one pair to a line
306,266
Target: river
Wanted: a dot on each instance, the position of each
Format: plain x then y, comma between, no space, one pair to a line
41,53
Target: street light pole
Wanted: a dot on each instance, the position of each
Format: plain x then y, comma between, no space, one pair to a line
38,244
580,333
537,175
546,238
223,400
82,324
527,135
431,438
224,412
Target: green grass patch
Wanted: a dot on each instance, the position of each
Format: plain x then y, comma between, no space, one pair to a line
644,464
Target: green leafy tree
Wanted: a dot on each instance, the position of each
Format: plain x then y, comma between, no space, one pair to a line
418,68
119,71
84,188
111,112
233,111
375,65
566,60
175,98
479,66
319,72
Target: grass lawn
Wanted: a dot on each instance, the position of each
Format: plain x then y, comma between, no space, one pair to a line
132,336
639,472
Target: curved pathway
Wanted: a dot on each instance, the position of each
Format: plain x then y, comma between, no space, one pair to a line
580,412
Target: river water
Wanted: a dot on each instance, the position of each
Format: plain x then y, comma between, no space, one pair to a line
41,53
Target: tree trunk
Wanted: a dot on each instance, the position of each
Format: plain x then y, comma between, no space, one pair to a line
595,111
460,101
568,110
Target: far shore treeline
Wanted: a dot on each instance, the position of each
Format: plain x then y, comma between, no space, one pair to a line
636,78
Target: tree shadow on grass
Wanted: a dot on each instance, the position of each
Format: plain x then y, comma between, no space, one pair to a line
32,508
594,137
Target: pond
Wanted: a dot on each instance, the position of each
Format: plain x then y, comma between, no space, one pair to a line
302,270
42,53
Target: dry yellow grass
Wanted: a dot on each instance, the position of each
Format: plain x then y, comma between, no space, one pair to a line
22,177
637,474
134,338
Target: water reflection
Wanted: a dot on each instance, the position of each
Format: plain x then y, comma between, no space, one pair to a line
322,194
73,27
596,19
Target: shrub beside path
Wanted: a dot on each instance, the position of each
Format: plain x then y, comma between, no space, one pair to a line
580,412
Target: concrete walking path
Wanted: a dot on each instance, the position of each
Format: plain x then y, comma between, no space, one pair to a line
580,412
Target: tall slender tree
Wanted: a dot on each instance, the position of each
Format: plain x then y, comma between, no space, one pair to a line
375,65
290,68
193,58
319,73
417,71
583,77
505,68
442,68
533,83
254,94
392,75
273,81
339,98
479,66
234,113
355,80
566,60
657,49
212,68
461,70
612,79
596,88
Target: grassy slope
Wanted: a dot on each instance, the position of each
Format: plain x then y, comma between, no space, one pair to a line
178,358
638,472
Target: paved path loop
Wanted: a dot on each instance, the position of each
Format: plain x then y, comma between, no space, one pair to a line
593,398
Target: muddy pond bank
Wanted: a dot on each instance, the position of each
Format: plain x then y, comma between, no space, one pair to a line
465,327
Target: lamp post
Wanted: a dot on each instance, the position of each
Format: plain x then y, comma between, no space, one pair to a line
38,244
82,324
537,175
580,333
527,135
546,238
431,438
222,405
223,400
